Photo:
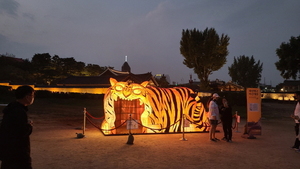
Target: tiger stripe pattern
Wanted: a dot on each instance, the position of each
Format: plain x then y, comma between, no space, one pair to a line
163,107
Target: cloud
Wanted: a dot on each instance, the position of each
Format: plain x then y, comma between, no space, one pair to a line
20,50
29,16
9,6
148,32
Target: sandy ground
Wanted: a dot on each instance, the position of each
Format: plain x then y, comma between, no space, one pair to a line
55,146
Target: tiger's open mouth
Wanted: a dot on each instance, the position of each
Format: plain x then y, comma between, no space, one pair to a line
138,100
129,106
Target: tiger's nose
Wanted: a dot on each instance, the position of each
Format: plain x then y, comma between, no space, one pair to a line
126,92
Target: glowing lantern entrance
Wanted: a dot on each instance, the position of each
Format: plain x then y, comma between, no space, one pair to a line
148,109
123,110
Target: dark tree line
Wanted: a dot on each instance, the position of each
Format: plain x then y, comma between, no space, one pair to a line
44,69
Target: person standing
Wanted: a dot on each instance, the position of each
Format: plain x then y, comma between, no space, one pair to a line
15,130
213,116
226,118
296,116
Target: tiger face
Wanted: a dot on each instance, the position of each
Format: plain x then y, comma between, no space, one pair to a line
124,91
128,91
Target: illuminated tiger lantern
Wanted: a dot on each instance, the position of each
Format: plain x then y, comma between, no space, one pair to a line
156,110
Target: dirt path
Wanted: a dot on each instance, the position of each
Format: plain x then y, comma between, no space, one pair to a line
57,147
54,145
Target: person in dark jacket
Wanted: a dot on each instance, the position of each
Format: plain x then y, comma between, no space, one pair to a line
226,119
15,129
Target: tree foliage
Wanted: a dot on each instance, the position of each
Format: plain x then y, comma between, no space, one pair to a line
204,52
44,69
41,64
245,71
93,70
13,69
289,58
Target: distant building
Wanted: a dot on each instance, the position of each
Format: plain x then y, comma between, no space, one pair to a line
158,76
219,85
216,85
267,88
103,79
126,67
94,84
289,86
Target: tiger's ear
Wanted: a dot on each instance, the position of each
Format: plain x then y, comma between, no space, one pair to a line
112,81
145,83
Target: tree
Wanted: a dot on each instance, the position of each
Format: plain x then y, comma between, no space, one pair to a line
93,70
44,69
41,63
70,67
15,69
245,71
204,52
289,58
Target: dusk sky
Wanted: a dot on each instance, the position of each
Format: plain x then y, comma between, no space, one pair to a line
103,32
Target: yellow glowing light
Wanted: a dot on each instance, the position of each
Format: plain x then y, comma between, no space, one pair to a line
158,110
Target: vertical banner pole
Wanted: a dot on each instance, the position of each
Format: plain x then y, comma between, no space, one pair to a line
183,121
84,120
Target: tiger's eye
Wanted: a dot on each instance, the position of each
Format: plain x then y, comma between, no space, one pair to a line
137,91
119,88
